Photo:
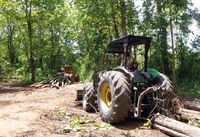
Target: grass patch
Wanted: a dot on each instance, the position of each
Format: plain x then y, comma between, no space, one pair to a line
195,123
76,123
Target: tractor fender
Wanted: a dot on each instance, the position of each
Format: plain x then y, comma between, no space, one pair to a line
125,72
102,74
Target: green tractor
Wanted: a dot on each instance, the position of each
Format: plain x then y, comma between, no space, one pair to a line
130,90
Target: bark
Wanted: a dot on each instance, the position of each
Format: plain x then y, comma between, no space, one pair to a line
114,20
123,17
28,10
190,111
11,48
192,105
168,131
53,45
163,37
173,125
188,114
173,50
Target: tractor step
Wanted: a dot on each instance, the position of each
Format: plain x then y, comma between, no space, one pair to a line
79,95
144,106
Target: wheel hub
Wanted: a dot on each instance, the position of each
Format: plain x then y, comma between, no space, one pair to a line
106,96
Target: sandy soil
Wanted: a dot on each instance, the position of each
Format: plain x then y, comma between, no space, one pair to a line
26,112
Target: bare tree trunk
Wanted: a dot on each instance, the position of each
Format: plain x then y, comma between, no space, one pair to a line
173,50
11,48
53,46
163,37
28,10
123,17
114,19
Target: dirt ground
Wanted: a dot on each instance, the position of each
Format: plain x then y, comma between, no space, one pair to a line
42,112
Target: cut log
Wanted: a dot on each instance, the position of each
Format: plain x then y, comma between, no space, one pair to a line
190,111
168,131
176,126
189,114
192,105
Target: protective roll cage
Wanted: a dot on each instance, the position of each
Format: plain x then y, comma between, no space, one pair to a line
123,46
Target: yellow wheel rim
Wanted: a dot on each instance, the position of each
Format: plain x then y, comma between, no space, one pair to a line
105,93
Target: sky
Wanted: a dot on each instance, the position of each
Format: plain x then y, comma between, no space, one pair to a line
193,27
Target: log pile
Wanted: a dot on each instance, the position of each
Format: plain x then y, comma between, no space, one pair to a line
63,77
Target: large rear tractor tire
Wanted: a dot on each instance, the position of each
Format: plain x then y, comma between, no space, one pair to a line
89,98
163,81
114,97
166,94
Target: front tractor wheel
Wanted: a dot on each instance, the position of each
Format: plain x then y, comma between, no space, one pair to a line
114,97
89,98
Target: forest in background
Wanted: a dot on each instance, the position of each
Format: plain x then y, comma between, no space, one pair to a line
38,37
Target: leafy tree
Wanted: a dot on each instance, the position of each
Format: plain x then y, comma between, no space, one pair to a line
39,36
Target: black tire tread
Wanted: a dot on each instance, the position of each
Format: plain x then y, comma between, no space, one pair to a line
121,97
167,94
89,98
